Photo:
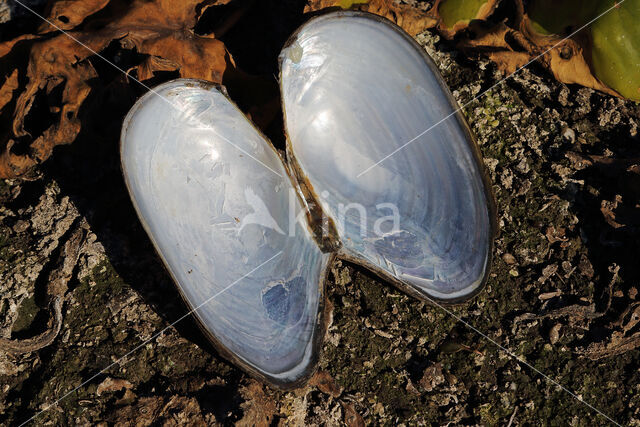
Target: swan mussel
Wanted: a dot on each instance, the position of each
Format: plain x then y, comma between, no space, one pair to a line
248,238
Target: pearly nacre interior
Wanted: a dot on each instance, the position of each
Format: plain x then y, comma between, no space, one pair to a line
216,200
356,89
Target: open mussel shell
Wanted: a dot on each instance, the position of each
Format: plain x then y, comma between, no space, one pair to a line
375,136
215,198
383,171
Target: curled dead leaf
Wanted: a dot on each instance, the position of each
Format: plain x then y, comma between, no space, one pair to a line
410,19
60,72
68,14
567,58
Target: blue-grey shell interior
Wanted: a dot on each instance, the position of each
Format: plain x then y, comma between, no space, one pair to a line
354,90
219,220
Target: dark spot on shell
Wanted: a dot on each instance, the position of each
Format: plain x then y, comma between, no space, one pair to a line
401,248
284,302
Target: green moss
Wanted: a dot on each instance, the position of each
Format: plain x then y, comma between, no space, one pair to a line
27,314
103,280
489,415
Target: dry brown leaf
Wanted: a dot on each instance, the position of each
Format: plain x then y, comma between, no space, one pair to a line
410,19
565,58
6,91
493,37
160,30
52,63
325,383
7,46
509,61
501,44
351,417
68,14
